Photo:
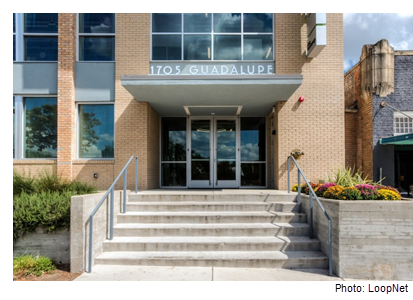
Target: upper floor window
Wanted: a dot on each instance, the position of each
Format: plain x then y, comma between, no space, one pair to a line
402,123
14,37
206,36
97,37
40,37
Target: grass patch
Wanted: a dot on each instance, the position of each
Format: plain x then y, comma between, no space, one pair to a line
32,265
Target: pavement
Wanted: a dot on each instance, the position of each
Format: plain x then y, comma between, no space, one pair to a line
155,273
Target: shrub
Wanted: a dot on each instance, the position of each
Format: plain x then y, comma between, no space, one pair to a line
29,264
368,191
333,192
385,194
350,193
347,177
319,191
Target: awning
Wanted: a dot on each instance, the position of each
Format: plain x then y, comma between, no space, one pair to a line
404,139
180,95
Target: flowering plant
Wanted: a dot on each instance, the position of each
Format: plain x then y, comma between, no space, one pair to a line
313,185
381,187
333,192
319,191
295,187
350,193
385,194
368,191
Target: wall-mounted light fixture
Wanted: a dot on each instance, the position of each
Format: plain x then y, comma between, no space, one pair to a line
95,175
301,99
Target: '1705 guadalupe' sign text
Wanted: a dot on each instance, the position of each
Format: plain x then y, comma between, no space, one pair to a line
212,68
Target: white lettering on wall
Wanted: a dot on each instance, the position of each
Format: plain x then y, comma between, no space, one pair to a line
211,69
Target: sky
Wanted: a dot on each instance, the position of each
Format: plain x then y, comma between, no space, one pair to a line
369,28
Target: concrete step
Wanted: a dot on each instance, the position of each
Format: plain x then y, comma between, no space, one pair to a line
244,259
209,195
212,217
222,229
245,243
210,206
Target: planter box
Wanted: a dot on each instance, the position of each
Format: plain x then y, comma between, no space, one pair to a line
372,240
56,246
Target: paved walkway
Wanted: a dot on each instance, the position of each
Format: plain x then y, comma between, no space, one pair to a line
150,273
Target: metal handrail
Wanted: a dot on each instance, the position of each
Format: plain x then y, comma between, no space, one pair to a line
111,190
312,193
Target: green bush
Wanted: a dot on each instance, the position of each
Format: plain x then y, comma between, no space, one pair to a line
29,264
43,202
347,177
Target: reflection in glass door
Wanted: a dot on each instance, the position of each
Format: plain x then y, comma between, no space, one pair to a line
225,162
200,158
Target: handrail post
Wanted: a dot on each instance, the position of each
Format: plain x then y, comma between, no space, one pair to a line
125,179
288,168
89,269
136,175
311,216
112,205
330,249
299,190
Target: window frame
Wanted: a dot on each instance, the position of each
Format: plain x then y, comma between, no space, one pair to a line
20,123
33,34
402,115
78,129
79,35
242,34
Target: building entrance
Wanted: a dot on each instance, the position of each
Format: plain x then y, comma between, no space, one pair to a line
213,152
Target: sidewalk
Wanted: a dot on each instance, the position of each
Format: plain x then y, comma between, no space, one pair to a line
153,273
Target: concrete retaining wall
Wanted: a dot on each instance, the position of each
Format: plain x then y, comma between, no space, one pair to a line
56,246
372,240
80,210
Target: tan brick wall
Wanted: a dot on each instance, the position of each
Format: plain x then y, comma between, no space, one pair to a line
34,168
83,171
66,133
136,124
315,126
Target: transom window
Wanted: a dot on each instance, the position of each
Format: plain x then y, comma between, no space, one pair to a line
97,37
402,123
206,36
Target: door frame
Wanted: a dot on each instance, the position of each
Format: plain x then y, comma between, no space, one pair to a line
213,182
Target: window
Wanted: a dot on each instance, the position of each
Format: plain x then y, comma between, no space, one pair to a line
40,37
402,123
40,127
96,130
206,36
97,37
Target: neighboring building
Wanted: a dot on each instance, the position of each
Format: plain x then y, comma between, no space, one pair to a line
204,100
379,115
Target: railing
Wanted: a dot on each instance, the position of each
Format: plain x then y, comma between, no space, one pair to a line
111,190
312,194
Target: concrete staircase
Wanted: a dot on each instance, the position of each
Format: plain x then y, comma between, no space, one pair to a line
238,228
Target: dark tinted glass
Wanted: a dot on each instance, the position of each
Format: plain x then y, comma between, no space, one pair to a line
40,23
96,131
227,23
227,47
40,127
257,47
197,22
166,47
97,48
14,48
97,23
197,47
166,23
253,139
14,22
41,48
173,174
174,139
258,22
253,174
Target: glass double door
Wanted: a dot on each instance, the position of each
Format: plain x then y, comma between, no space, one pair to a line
213,158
